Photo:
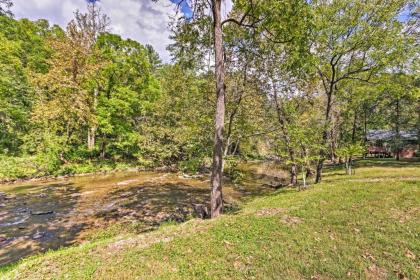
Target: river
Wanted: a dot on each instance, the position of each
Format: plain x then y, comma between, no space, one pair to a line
41,215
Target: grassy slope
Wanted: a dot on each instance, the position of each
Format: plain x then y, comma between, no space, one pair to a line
361,226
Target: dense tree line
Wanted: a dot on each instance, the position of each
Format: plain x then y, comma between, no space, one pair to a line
299,81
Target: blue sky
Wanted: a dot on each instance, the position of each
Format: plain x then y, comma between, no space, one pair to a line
184,7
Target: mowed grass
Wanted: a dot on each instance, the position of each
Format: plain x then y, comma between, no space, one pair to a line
364,226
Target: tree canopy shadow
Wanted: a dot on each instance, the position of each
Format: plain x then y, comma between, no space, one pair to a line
31,223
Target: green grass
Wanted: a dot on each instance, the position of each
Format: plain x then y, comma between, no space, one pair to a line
364,226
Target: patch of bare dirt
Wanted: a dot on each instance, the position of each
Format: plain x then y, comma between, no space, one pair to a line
290,220
271,211
404,216
374,272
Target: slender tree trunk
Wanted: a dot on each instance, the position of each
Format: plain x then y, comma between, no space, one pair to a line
353,137
235,150
227,146
333,144
91,138
92,127
354,128
217,168
325,136
397,129
283,122
304,177
293,173
232,118
364,131
103,149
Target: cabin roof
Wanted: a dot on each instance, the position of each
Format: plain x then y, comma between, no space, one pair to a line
387,134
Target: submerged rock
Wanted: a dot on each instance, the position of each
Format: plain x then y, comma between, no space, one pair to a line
42,195
127,182
4,240
38,235
201,211
39,213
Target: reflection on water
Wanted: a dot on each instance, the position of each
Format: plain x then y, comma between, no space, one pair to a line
37,216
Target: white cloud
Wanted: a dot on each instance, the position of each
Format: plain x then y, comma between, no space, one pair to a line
141,20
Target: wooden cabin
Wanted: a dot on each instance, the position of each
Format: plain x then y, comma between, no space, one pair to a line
382,143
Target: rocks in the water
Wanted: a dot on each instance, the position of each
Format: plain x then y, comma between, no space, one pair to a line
21,210
17,220
201,211
127,182
39,213
187,177
42,195
4,240
38,235
5,196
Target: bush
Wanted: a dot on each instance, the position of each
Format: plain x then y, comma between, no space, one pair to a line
191,165
17,167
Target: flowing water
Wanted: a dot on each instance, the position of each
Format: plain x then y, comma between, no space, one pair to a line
41,215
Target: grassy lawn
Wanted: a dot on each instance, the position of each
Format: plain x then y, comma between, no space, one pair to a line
364,226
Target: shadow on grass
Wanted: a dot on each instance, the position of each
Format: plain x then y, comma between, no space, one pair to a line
389,162
337,169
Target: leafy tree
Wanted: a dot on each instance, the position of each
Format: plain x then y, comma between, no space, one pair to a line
352,41
126,97
22,51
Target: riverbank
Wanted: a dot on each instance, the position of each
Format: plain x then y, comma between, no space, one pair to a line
363,226
37,216
21,170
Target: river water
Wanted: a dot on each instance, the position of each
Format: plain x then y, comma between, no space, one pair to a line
41,215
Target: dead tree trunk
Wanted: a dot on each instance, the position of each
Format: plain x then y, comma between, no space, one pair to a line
217,168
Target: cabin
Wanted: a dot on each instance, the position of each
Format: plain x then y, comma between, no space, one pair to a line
381,143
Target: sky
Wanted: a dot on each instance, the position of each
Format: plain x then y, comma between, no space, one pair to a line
142,20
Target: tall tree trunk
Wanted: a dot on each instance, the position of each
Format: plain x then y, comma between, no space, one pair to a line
91,137
235,150
353,138
232,118
365,132
397,129
283,123
217,168
92,127
103,149
354,128
333,144
325,136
